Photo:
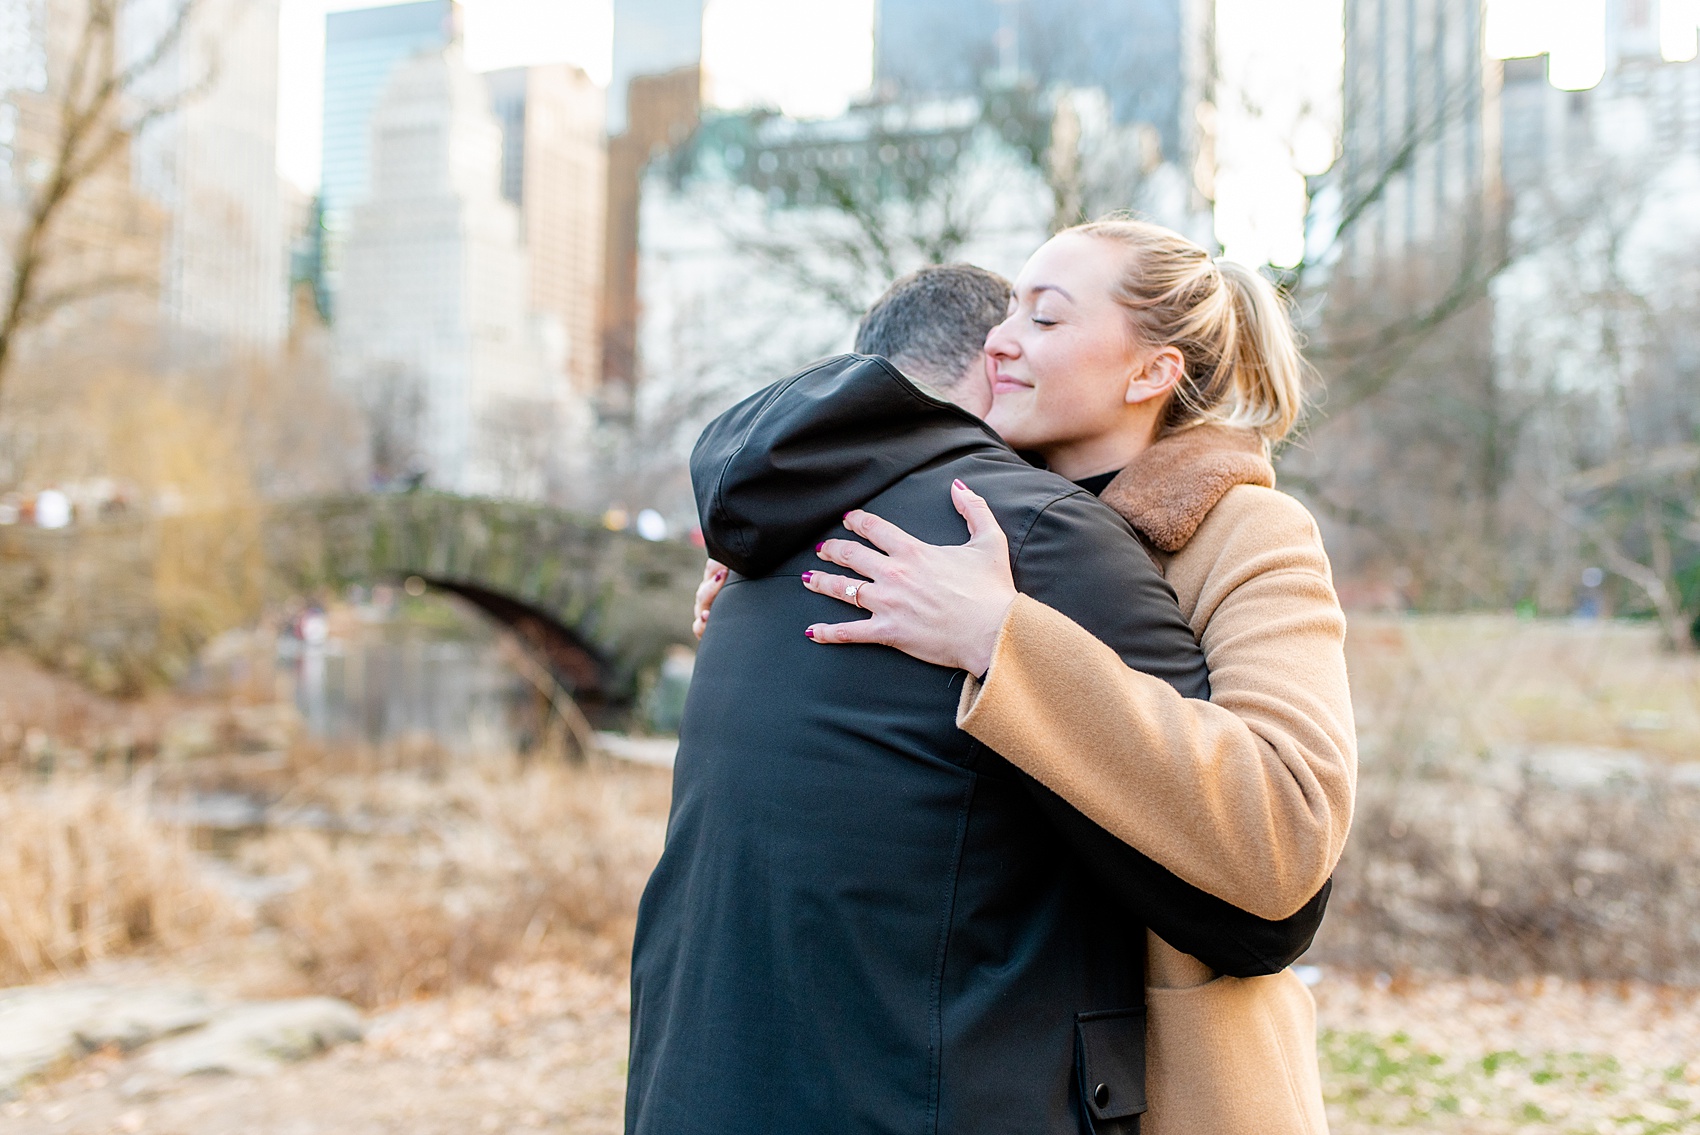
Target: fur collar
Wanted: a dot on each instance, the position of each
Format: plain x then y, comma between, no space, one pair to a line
1167,491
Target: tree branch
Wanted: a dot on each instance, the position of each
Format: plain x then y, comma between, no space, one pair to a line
90,135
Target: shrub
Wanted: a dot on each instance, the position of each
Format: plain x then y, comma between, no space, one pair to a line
448,879
85,873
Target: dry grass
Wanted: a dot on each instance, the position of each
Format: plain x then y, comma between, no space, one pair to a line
405,870
1524,805
395,884
1457,685
450,878
49,720
86,873
1531,878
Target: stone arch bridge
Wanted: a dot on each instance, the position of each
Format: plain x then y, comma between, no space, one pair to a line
125,601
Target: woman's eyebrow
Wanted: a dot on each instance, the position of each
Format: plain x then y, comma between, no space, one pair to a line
1057,288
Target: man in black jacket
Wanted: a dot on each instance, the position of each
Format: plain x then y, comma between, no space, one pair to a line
864,921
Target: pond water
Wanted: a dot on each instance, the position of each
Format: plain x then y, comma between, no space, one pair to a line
383,668
462,695
391,669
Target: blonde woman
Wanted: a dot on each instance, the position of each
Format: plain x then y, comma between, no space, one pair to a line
1136,364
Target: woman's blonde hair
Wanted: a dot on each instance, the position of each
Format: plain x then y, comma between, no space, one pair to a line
1232,329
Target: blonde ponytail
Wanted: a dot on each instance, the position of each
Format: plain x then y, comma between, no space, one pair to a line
1233,331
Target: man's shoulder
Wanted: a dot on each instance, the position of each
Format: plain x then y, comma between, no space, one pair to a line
1062,538
1073,553
1026,498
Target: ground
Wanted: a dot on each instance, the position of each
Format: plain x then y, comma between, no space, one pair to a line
380,864
1482,1057
544,1049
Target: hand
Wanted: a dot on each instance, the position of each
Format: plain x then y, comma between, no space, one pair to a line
941,604
713,579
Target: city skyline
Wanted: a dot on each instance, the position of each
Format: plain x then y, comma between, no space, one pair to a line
1284,65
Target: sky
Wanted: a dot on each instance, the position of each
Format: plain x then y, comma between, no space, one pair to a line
1280,64
807,57
1277,116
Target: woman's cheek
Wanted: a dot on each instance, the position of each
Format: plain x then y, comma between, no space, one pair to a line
1006,418
1022,419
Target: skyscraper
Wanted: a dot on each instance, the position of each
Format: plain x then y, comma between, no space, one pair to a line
212,164
1149,56
1420,146
555,169
651,37
433,334
662,111
1644,111
363,49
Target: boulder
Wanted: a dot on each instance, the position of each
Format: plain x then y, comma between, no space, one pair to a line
44,1026
257,1037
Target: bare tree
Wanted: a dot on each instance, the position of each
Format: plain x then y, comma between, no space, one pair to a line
518,436
703,351
840,212
845,231
1620,365
393,403
1507,398
1409,449
102,91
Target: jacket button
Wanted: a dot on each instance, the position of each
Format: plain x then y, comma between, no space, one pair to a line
1101,1095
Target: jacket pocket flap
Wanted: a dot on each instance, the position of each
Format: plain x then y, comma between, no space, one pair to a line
1110,1052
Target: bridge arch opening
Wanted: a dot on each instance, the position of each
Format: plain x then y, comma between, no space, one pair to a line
581,671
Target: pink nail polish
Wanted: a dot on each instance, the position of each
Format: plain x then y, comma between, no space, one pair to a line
808,575
820,545
958,483
810,631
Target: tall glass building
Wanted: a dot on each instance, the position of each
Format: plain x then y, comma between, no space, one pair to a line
363,48
651,37
1138,51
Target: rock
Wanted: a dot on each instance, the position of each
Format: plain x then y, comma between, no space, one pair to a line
134,1017
256,1038
44,1026
658,751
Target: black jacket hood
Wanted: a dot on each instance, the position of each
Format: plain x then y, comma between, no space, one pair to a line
786,463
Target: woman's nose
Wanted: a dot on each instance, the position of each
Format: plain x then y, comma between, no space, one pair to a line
1000,344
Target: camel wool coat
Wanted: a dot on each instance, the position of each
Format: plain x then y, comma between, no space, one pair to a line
1247,796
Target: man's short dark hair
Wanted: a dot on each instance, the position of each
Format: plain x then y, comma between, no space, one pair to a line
932,324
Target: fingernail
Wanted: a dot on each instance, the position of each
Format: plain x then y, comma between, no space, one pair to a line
958,483
808,575
721,574
810,631
820,545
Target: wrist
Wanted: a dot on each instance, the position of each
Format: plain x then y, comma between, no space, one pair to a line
985,642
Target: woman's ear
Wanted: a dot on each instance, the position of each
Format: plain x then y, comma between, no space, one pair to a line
1162,373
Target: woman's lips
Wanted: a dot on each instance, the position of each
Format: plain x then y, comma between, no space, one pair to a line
1004,384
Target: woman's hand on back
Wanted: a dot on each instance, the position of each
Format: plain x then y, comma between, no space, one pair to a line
943,604
713,579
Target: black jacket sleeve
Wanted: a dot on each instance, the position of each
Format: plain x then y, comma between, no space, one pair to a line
1081,559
